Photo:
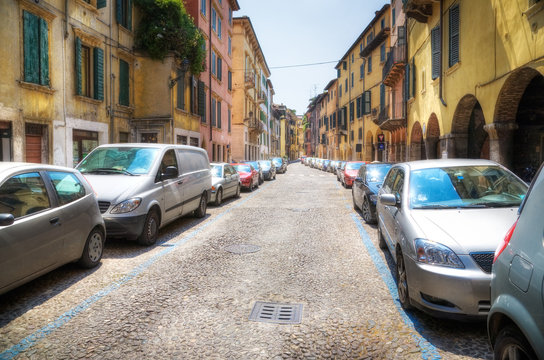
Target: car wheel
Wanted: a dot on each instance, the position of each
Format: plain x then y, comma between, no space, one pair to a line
219,197
93,250
238,190
261,180
368,216
402,282
381,239
200,212
511,344
353,198
151,229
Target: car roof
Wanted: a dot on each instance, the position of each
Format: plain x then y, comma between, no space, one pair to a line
21,166
427,164
219,164
154,145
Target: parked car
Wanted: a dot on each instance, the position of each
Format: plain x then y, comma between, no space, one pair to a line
257,167
340,171
350,172
142,187
441,221
281,165
225,182
268,169
325,166
332,166
48,217
516,320
249,177
366,185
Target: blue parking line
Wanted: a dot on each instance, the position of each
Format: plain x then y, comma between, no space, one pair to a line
38,335
428,350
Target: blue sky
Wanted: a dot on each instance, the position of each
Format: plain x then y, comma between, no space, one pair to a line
293,32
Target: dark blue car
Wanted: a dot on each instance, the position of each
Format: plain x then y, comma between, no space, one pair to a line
365,189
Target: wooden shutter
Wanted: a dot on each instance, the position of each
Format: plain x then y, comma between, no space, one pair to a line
129,14
213,112
123,83
31,47
351,111
101,4
454,36
407,82
435,51
98,73
382,96
78,86
44,52
219,68
228,118
180,89
413,78
230,80
202,100
219,114
367,105
359,101
119,11
33,148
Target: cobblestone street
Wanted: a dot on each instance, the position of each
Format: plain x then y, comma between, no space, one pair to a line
188,297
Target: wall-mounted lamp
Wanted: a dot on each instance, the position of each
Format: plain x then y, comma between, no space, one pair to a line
184,67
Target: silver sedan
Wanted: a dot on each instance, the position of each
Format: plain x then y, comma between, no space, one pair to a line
442,221
225,182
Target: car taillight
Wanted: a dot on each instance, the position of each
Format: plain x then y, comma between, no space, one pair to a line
504,242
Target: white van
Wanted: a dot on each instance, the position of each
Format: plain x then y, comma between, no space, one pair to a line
142,187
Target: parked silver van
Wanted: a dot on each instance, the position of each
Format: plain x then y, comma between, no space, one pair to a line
142,187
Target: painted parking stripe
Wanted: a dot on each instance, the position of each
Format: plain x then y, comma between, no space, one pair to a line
38,335
428,350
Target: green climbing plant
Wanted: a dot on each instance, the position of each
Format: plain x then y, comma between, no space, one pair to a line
166,27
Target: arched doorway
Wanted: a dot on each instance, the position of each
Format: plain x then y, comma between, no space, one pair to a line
432,137
417,146
468,133
517,132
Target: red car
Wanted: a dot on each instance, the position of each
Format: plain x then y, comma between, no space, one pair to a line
350,172
249,177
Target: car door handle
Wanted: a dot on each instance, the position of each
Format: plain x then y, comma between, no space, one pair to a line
180,182
55,221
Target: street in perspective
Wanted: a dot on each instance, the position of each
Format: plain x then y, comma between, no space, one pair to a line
287,271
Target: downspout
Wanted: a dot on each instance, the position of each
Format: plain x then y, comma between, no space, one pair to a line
112,76
64,76
210,71
405,97
441,54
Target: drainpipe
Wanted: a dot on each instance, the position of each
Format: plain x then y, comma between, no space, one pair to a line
66,160
441,53
210,70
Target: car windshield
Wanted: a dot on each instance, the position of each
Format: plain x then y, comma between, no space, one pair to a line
376,174
465,186
265,164
216,170
254,164
277,161
354,166
122,160
243,168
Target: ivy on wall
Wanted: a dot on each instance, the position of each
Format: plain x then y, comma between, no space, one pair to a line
166,27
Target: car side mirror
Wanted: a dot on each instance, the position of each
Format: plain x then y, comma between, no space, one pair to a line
6,219
170,172
389,199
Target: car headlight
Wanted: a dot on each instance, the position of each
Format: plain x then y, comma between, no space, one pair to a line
126,206
433,253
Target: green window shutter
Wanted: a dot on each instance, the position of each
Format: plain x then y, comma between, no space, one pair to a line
407,82
228,118
101,4
413,78
180,90
98,74
382,96
351,111
367,102
44,52
124,83
202,101
119,11
129,14
435,51
78,67
219,114
230,80
31,48
454,36
213,112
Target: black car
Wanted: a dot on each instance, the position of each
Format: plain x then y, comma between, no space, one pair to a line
268,168
365,189
281,165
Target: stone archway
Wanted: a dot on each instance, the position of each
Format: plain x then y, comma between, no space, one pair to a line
417,145
517,132
468,134
432,138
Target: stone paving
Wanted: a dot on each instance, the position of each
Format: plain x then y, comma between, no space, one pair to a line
187,297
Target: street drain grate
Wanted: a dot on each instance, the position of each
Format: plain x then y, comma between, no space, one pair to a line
242,248
276,313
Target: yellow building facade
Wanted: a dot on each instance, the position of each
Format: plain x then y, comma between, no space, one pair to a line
476,80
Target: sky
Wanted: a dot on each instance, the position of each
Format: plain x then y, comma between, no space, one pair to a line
298,32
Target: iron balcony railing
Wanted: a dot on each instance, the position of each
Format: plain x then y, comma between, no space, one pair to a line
394,65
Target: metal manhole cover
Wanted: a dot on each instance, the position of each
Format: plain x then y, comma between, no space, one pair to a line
242,248
276,313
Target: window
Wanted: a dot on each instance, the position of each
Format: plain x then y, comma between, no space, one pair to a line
351,111
83,142
382,53
219,27
214,20
180,90
214,64
454,36
229,80
382,97
362,71
340,90
359,103
219,68
367,105
230,16
214,104
351,79
229,46
23,194
203,7
67,186
168,160
393,15
89,71
382,24
124,83
182,139
36,49
124,13
219,114
202,101
435,51
360,133
228,119
352,58
123,137
370,64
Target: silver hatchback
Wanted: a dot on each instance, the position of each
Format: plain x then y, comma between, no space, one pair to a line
441,221
48,217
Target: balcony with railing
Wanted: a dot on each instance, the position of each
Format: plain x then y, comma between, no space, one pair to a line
390,118
394,66
249,79
261,96
380,37
419,10
254,124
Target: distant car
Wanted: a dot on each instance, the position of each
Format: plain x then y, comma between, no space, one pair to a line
325,165
268,169
442,220
340,170
516,320
257,167
225,182
364,191
48,217
350,172
249,177
281,165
